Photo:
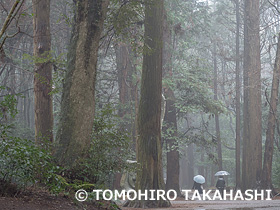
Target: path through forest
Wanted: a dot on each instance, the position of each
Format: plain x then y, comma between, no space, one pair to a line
181,203
44,201
232,205
225,205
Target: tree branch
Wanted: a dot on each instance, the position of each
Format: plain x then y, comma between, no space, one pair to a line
13,12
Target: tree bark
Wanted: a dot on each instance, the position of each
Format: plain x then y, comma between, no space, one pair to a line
43,72
201,167
149,154
269,143
124,70
217,123
170,123
237,89
252,140
170,119
78,98
190,168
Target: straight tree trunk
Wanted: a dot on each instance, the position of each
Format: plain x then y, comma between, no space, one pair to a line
217,123
78,98
183,171
170,119
149,153
190,168
124,69
269,143
170,122
43,72
252,140
201,167
237,88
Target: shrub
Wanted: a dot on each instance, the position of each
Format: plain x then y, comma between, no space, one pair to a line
22,163
109,150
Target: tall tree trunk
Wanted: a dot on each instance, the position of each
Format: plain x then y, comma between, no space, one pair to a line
78,101
170,119
237,89
149,154
213,171
217,123
183,183
190,161
252,148
269,143
43,71
170,124
201,167
28,109
124,69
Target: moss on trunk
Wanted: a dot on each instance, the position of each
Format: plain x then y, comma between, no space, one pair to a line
78,102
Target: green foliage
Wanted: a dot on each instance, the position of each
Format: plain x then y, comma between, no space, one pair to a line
124,22
123,14
7,106
22,163
109,150
58,62
191,64
43,58
7,109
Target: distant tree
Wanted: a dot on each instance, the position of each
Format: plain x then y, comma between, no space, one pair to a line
217,122
149,153
43,71
78,101
124,73
269,143
169,127
237,89
252,135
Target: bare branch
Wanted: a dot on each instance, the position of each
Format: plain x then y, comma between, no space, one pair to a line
12,14
275,7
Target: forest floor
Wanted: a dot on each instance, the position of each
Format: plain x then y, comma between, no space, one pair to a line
44,201
35,200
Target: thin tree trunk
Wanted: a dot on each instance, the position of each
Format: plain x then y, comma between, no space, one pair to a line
237,81
201,167
269,143
28,109
43,72
124,69
190,168
217,124
183,183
